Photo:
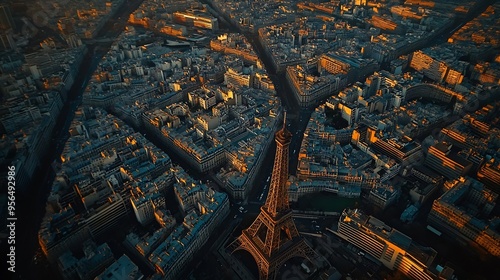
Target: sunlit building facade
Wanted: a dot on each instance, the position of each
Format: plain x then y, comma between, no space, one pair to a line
197,19
441,159
430,67
404,151
457,213
388,245
309,89
489,174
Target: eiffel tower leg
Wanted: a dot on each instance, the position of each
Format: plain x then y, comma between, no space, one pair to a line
238,244
234,246
302,250
263,272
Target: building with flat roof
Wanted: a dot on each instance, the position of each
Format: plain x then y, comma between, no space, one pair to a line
464,211
391,247
442,159
108,215
386,24
425,174
489,174
144,206
94,261
62,233
121,269
382,196
235,43
432,68
404,151
197,19
309,89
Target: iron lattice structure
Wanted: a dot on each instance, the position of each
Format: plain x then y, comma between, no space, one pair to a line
273,238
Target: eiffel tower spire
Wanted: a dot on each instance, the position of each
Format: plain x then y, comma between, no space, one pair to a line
277,199
273,238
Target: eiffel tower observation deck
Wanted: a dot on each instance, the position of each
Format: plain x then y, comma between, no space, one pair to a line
272,238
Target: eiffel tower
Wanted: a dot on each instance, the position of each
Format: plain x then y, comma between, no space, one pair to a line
272,239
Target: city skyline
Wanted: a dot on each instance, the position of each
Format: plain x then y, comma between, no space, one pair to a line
138,137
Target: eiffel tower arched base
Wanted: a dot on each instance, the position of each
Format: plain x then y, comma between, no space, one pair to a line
269,268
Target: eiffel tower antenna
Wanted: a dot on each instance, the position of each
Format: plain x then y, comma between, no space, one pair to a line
273,238
284,119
